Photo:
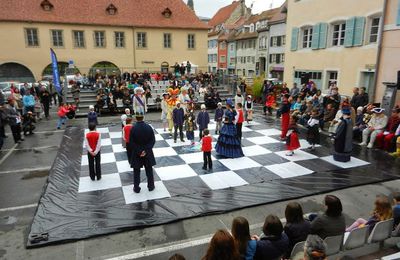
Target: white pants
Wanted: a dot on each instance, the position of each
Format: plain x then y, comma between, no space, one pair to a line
366,132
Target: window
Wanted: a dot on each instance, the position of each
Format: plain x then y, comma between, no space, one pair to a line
272,58
222,59
283,40
191,41
31,35
339,31
209,58
332,77
232,61
57,38
307,37
141,40
283,57
167,40
215,58
373,35
253,60
120,39
99,39
222,45
248,59
79,39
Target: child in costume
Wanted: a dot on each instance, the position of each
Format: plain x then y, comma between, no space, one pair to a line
171,103
285,113
184,98
190,123
219,114
93,147
139,101
206,147
239,120
164,110
269,104
92,116
126,130
292,137
313,129
248,107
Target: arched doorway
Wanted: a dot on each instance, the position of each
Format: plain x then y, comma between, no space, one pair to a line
62,66
104,68
12,71
164,67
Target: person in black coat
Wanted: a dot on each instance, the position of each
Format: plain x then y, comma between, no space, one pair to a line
178,116
141,142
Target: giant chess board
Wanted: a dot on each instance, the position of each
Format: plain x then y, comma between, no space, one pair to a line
179,166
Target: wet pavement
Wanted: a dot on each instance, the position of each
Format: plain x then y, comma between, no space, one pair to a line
24,172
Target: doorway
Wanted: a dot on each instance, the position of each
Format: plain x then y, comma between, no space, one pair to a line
367,80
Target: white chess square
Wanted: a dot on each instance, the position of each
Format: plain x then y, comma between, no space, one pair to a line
107,181
222,180
103,130
175,172
246,129
104,158
164,151
239,163
116,134
262,140
178,143
159,192
304,144
298,155
105,141
288,170
271,131
254,150
123,166
193,157
117,148
354,162
158,137
251,123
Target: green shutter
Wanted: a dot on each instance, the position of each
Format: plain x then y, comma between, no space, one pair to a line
315,37
323,31
295,37
398,13
359,31
348,38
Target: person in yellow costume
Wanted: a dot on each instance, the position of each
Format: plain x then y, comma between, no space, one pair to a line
171,103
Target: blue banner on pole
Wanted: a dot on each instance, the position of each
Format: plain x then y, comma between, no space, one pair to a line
56,74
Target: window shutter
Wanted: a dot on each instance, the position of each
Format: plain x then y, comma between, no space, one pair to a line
359,31
349,36
278,41
323,31
315,37
398,13
295,41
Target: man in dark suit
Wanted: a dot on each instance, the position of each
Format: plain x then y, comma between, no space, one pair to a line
178,116
141,141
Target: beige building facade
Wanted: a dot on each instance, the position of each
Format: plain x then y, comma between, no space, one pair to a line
338,43
389,61
121,44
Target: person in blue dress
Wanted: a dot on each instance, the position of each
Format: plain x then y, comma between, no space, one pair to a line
228,144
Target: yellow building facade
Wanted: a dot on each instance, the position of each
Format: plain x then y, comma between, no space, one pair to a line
155,42
333,42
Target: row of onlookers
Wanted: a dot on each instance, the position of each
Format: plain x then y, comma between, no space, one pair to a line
277,240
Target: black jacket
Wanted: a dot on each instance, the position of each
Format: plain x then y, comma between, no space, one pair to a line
142,139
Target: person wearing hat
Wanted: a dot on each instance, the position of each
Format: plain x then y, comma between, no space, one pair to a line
343,137
203,119
141,142
164,110
228,143
384,139
139,101
178,116
92,116
219,114
248,107
375,126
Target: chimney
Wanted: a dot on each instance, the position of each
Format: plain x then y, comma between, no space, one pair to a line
190,4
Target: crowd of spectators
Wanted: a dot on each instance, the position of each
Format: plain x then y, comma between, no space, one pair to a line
372,128
278,239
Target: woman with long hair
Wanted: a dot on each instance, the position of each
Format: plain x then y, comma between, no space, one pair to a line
241,235
222,247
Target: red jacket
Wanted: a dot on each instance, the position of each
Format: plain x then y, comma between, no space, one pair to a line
127,132
93,141
270,101
62,111
206,143
240,117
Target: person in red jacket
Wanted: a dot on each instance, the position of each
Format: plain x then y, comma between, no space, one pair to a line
62,115
269,104
126,131
93,145
206,147
239,120
384,139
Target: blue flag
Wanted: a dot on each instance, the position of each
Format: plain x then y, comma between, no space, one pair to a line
56,74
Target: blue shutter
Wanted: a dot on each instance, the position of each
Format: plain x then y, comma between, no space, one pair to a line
315,37
398,13
295,37
348,38
359,31
323,31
